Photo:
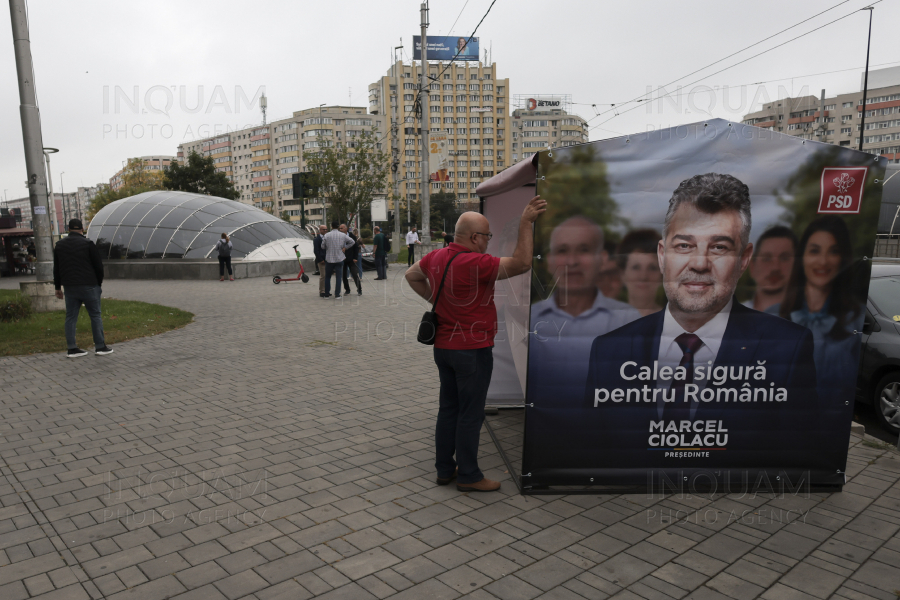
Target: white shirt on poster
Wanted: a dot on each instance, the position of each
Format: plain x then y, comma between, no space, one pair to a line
670,353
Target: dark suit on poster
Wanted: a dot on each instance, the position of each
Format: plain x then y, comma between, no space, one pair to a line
780,434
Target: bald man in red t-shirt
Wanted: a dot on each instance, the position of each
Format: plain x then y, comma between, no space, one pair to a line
463,347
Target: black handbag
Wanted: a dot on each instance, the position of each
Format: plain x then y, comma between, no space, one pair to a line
428,326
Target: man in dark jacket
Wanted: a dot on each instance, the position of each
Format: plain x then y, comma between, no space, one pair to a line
319,253
379,244
351,256
77,266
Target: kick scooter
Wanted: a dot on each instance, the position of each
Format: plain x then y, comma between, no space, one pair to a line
301,276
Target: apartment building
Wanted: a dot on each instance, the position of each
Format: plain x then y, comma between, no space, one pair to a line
84,196
152,163
467,102
838,119
544,122
20,208
260,160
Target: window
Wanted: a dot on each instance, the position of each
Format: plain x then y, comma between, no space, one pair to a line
847,105
460,87
318,121
474,87
408,97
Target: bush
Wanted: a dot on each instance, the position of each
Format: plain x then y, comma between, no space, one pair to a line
15,309
365,233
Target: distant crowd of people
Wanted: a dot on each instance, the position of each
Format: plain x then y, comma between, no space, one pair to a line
339,253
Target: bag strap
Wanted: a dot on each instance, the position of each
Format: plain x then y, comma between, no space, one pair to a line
441,287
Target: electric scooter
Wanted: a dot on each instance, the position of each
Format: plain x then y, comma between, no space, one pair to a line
301,276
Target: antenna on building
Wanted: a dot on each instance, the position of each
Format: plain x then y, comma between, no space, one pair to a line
263,104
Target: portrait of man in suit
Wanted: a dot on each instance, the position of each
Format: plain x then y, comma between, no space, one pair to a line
743,374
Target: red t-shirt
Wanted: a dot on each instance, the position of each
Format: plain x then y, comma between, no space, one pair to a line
467,317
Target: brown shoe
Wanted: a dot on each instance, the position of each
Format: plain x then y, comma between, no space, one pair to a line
447,480
485,485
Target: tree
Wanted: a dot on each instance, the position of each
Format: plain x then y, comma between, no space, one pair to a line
199,175
138,177
105,196
444,211
348,175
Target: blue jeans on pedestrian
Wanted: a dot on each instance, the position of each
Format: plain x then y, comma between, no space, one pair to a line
465,376
89,295
338,270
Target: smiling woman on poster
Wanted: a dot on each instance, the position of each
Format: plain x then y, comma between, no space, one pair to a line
821,297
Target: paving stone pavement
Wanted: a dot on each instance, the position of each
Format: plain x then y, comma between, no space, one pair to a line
281,447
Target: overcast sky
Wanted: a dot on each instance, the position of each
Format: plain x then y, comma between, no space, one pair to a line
305,53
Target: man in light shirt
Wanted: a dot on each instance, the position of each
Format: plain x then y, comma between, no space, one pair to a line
412,238
565,324
704,250
335,243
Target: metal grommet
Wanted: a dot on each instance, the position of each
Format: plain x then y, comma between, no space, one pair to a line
706,124
855,332
804,141
846,403
627,141
685,478
876,181
550,154
538,257
729,124
592,480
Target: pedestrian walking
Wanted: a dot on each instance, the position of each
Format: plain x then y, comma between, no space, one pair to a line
351,259
335,243
379,248
223,248
319,254
412,238
77,266
464,341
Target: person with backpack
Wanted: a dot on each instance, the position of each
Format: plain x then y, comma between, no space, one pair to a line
223,247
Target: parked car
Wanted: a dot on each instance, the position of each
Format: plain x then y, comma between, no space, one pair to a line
879,371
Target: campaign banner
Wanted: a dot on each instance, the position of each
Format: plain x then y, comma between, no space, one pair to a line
438,157
697,303
446,48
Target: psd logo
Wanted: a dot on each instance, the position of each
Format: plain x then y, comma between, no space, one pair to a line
842,189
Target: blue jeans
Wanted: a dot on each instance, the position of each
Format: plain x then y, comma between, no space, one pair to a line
89,295
381,266
338,270
465,376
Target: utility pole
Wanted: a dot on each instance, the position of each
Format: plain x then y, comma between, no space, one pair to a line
425,125
862,122
395,149
31,138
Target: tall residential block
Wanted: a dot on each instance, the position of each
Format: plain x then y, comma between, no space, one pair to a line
260,160
541,122
838,119
468,103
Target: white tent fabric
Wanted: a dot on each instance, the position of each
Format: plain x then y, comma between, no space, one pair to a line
504,197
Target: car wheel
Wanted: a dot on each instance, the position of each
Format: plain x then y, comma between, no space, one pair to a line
887,402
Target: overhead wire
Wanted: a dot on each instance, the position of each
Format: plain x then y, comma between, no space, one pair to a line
730,66
638,98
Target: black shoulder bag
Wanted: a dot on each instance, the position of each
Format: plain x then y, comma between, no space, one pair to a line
428,326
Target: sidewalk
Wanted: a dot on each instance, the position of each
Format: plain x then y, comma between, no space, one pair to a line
281,447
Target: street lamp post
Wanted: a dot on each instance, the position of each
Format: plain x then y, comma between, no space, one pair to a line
862,122
54,219
62,190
